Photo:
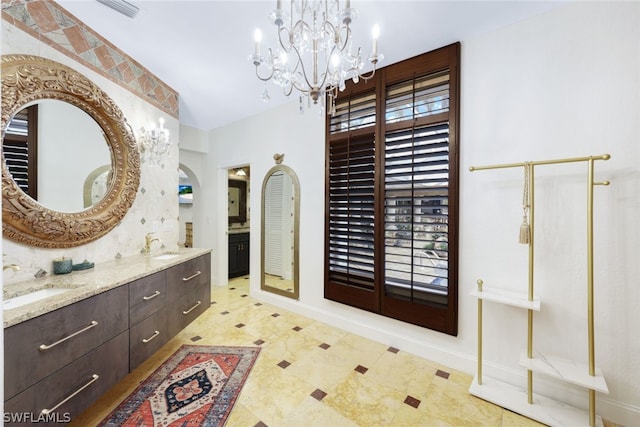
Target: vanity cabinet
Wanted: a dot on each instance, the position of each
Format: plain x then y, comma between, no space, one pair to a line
189,292
64,360
62,350
238,254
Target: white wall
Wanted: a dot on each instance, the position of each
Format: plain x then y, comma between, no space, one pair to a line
563,84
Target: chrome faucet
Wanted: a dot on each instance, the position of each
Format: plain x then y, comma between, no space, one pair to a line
148,240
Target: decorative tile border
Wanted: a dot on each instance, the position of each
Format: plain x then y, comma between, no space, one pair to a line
53,25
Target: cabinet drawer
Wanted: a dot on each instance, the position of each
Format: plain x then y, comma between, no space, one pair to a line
188,276
146,296
147,337
187,308
67,333
238,238
109,362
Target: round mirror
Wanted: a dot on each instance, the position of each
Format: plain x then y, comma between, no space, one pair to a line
112,170
280,231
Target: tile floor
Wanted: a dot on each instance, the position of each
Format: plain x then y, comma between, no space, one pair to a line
312,374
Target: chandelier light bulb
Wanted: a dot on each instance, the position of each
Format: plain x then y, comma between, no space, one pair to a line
375,32
257,36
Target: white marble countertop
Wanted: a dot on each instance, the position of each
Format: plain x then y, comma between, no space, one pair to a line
83,284
238,230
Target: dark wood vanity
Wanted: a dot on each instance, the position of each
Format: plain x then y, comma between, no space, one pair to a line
62,361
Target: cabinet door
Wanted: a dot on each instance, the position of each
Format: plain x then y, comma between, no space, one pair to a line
238,254
188,308
66,334
243,258
189,292
147,337
147,296
187,276
233,259
75,382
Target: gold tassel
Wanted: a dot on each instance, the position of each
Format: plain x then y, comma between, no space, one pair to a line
525,230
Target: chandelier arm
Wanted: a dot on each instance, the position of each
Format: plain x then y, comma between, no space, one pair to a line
347,36
368,77
288,37
301,64
264,79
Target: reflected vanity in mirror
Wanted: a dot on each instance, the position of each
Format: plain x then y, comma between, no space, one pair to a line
280,232
45,221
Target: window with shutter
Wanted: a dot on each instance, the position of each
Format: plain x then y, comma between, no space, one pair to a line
392,192
19,148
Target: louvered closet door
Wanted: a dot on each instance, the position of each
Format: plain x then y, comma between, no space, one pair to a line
273,223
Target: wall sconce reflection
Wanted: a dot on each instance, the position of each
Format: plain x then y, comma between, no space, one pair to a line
154,143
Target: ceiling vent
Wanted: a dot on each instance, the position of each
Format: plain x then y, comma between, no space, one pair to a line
122,6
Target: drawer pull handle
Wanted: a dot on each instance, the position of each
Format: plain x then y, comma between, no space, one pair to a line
45,347
152,296
93,379
192,308
155,334
196,274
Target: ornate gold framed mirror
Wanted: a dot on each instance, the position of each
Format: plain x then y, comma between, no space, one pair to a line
280,232
27,80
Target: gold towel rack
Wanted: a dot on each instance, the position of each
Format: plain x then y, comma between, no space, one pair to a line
590,303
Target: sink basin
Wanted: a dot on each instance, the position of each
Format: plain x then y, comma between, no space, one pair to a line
165,257
31,297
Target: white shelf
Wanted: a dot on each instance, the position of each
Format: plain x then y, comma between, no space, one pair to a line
507,297
564,369
544,410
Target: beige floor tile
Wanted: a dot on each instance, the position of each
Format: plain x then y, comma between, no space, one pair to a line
272,395
454,405
241,417
408,416
322,368
404,372
510,419
366,402
311,413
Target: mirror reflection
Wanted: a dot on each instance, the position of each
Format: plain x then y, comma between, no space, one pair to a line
280,230
41,140
237,201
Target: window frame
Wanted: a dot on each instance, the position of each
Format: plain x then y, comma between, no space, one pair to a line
436,316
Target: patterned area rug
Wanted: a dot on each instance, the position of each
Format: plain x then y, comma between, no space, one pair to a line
196,386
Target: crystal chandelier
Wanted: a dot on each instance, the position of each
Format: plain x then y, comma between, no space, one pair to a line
315,54
154,142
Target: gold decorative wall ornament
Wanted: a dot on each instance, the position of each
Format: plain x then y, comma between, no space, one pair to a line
28,79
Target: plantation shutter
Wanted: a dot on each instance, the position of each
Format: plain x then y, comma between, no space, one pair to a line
19,148
392,192
416,176
351,213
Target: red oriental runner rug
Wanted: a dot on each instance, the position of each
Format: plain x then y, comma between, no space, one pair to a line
196,386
